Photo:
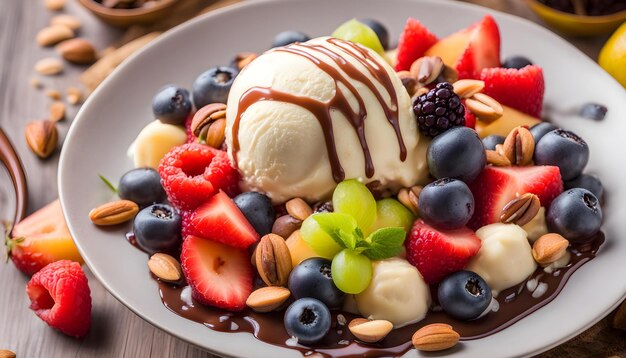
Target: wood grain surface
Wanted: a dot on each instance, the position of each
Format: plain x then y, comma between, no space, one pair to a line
116,331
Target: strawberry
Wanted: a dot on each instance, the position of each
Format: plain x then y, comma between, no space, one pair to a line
221,220
59,294
471,49
436,254
470,118
521,89
219,275
413,43
497,186
40,239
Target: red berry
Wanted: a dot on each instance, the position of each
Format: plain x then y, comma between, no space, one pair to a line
192,173
436,254
413,43
521,89
482,51
190,137
219,275
60,296
186,221
470,118
497,186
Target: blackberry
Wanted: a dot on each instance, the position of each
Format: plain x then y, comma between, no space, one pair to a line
438,110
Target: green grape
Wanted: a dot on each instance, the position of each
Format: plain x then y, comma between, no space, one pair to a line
351,271
318,239
360,33
354,198
391,213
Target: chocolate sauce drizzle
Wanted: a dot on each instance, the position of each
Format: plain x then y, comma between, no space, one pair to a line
339,102
12,162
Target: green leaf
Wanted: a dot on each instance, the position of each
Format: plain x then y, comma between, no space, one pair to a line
108,183
340,227
385,243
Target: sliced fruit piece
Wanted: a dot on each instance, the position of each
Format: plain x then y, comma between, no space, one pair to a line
436,254
219,275
391,213
356,31
298,248
497,186
471,49
413,43
510,119
520,89
219,219
40,239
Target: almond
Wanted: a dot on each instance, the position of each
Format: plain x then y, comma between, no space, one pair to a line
67,21
54,5
79,51
370,331
273,260
5,353
299,209
113,213
519,146
484,107
216,133
42,137
496,159
549,248
74,95
267,299
49,66
285,225
427,69
57,111
409,82
521,210
467,88
165,267
435,337
52,35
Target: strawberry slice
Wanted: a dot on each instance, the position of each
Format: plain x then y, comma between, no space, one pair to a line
521,89
497,186
413,43
219,275
221,220
436,254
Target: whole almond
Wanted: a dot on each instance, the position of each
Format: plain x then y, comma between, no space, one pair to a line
267,299
67,21
466,88
370,331
484,107
549,248
519,146
521,210
216,133
74,95
5,353
273,260
52,35
113,213
54,5
79,51
435,337
285,225
57,111
298,208
165,267
427,69
42,137
49,66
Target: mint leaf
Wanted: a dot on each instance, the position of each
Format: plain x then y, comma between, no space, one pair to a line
108,183
340,227
385,243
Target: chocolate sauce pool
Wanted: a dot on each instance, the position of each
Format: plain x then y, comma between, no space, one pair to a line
514,304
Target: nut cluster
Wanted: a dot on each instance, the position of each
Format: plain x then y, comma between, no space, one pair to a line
425,71
297,211
209,124
479,104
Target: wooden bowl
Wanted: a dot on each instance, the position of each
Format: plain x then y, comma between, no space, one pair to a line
130,17
577,25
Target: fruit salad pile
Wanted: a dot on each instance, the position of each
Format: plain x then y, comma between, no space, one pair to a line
507,198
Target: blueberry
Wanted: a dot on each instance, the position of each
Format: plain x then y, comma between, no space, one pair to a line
464,295
312,278
141,186
288,37
517,62
589,182
171,105
308,320
564,149
593,111
541,129
258,209
446,204
576,214
457,153
157,229
213,86
379,29
491,141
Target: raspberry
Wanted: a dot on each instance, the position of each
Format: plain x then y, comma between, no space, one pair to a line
186,222
192,173
438,110
60,296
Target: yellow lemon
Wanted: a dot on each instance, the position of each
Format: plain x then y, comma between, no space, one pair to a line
613,55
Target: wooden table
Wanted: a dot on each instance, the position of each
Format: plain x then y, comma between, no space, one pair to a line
116,331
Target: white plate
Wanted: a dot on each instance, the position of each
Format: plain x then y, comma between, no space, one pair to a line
114,114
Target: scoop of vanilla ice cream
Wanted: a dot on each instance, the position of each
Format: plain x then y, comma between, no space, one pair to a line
397,293
282,149
154,141
505,258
